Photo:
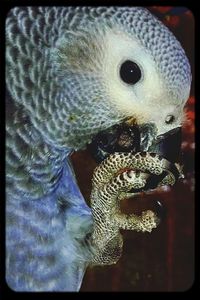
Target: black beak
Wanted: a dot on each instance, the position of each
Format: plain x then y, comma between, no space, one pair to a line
167,145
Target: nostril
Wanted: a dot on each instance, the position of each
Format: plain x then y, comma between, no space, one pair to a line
169,119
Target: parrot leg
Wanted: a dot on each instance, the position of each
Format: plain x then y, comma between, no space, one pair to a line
109,184
108,220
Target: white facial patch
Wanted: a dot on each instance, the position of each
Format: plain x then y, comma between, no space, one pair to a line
147,100
130,99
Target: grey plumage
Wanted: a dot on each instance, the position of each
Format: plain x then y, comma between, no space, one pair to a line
59,95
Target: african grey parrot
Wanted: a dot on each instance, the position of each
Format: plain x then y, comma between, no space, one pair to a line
73,74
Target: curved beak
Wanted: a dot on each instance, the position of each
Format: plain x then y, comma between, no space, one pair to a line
168,145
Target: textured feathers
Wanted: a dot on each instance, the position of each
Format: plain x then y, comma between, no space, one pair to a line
62,88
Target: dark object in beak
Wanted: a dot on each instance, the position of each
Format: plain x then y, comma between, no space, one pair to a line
119,138
142,138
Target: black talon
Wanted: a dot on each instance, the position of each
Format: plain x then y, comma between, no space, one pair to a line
153,181
136,190
160,210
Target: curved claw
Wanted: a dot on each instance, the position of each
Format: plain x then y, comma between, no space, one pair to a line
160,210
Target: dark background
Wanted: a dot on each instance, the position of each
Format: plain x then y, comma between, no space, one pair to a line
164,259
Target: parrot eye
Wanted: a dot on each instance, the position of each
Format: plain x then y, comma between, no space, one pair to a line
130,72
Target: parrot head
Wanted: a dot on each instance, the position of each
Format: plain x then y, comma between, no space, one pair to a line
129,79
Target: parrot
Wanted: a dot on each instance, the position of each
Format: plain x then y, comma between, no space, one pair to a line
111,79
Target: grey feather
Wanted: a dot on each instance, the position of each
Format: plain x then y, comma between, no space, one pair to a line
57,100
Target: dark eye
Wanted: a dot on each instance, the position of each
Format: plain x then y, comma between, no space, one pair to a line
130,72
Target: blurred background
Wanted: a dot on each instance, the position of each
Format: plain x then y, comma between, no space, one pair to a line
164,259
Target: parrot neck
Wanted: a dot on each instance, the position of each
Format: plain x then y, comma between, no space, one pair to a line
35,166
